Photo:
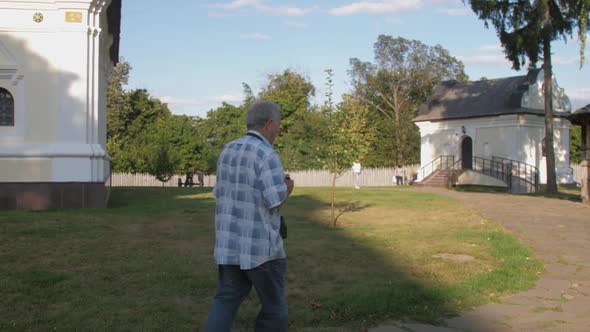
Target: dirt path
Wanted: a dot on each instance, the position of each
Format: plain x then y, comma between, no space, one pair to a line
559,233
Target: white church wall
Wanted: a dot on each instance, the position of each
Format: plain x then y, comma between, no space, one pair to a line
37,87
530,133
22,170
564,172
495,138
516,137
60,110
444,137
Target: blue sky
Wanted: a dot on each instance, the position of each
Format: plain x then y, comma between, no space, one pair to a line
196,54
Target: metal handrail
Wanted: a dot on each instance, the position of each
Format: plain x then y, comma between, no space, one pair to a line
489,167
440,162
525,173
493,168
504,169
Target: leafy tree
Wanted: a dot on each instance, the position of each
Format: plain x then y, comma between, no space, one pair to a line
404,74
137,121
163,163
346,137
248,94
117,103
222,125
136,131
298,148
576,144
292,91
526,30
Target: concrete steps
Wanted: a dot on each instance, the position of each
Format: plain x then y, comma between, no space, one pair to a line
438,178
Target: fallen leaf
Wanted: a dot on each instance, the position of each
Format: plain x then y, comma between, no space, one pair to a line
315,304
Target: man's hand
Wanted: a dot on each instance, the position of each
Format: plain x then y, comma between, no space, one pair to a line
290,184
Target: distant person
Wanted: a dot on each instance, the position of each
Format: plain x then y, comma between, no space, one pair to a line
200,178
188,182
179,182
356,169
251,186
399,176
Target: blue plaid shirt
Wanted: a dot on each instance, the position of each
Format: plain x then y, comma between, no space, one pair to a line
249,188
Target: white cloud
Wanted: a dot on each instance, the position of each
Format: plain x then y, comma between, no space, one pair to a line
383,7
484,59
454,11
264,6
558,60
236,4
202,101
580,93
579,97
255,36
224,14
572,60
296,24
199,106
490,48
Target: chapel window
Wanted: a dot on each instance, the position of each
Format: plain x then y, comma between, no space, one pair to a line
6,108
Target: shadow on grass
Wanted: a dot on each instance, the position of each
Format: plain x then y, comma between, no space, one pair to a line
566,192
145,263
347,280
479,189
339,280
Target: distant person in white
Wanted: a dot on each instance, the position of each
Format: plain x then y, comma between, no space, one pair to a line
356,169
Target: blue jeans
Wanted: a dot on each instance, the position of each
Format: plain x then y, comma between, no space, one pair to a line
234,285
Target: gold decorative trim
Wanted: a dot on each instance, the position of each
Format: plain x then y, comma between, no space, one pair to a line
38,17
74,17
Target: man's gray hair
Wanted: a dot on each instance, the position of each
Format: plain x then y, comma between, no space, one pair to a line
260,112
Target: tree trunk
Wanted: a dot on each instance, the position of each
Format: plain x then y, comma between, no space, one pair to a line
397,129
548,92
333,198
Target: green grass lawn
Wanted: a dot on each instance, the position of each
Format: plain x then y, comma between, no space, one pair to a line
146,264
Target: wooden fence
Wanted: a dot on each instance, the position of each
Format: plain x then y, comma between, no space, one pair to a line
370,177
577,168
147,180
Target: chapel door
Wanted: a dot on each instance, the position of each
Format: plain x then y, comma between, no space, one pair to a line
467,153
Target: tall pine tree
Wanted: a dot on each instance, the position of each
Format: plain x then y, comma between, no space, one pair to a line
526,30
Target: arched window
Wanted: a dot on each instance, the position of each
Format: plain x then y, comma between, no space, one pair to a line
6,108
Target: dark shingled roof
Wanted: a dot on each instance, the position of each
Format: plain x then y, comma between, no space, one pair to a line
454,100
114,19
580,116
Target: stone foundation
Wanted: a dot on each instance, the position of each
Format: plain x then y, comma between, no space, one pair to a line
41,196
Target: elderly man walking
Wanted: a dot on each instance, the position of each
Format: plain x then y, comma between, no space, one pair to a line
251,186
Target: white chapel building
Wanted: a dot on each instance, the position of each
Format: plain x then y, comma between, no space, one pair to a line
55,57
493,131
